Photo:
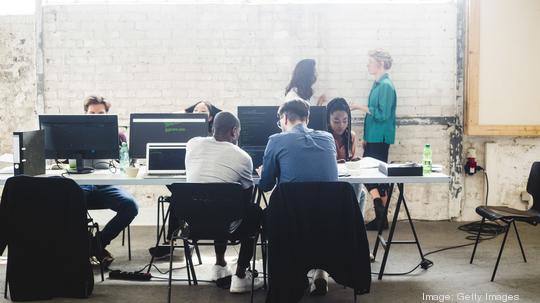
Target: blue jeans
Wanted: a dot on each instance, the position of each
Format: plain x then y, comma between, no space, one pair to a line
113,198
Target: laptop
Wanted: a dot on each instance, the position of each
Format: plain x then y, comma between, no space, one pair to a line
165,159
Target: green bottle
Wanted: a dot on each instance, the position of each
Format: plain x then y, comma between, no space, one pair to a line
426,162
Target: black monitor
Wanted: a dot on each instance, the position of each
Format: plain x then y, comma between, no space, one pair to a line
260,122
317,118
80,137
147,128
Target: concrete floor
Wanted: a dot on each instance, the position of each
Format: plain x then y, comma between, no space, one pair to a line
451,275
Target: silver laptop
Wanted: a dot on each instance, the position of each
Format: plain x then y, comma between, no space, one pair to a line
166,159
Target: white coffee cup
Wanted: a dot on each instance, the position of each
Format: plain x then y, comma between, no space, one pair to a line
132,171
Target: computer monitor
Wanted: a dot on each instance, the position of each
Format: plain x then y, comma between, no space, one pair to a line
80,137
317,118
257,124
260,122
147,128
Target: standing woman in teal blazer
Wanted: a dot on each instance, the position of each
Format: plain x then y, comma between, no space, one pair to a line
379,127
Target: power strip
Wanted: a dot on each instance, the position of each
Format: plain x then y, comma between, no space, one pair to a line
129,275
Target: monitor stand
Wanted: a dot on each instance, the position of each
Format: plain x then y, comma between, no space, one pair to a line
80,169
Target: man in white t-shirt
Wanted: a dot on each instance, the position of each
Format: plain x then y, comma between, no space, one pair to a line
219,159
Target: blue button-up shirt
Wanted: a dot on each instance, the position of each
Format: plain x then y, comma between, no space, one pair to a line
299,155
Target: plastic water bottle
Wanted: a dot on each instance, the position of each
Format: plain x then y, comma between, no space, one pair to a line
124,157
426,162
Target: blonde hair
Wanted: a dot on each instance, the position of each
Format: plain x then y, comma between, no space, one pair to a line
382,56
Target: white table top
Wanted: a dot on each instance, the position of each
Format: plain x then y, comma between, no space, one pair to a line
104,177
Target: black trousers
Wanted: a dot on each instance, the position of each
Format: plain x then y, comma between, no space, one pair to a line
378,151
248,227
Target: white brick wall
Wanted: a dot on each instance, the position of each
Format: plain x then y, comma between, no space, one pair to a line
17,78
165,57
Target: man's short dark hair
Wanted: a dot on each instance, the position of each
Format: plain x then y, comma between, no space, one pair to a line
224,122
96,100
295,110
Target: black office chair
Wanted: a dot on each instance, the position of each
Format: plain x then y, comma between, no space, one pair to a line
509,216
207,212
301,216
163,218
47,216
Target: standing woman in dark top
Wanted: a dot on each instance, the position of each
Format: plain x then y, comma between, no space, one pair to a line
301,85
207,108
379,127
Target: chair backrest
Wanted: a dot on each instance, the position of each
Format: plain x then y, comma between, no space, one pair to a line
533,185
315,225
45,216
211,210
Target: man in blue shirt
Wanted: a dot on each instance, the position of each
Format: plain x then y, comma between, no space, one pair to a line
299,154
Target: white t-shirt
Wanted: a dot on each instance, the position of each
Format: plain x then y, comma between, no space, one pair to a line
211,161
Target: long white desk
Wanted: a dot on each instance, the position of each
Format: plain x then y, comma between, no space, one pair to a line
366,176
105,177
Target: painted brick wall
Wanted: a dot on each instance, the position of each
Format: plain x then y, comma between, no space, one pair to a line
165,57
17,77
162,58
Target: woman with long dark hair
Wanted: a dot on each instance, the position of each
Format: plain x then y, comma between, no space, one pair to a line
301,84
207,108
379,127
340,126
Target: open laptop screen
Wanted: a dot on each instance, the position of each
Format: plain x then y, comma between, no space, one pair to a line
166,158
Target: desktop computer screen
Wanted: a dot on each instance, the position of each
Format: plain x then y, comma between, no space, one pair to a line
257,123
147,128
80,137
260,122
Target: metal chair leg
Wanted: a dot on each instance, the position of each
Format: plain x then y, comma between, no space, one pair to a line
500,251
354,292
253,270
519,241
129,242
264,256
477,239
186,256
6,284
189,263
191,266
100,251
157,221
170,272
164,217
198,252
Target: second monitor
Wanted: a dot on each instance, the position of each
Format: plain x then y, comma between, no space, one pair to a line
260,122
163,128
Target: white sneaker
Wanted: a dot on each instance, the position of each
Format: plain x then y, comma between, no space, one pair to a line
240,285
220,272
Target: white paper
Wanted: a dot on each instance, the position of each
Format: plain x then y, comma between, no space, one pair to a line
366,162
